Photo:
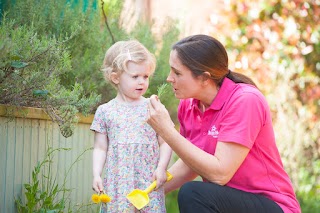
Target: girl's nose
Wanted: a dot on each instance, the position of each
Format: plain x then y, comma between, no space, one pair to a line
142,81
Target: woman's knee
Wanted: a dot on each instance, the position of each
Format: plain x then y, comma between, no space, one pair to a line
193,197
188,192
186,198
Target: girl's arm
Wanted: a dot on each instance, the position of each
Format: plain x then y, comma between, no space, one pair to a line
99,158
165,156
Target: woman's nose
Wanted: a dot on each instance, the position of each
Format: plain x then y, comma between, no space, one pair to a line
169,78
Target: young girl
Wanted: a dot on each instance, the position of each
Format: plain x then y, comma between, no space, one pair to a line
130,150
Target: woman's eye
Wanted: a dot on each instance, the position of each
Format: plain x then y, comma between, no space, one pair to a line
174,71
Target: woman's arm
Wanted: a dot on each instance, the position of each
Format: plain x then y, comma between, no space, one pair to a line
181,174
218,168
99,158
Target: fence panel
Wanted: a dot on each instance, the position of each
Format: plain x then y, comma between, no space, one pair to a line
24,140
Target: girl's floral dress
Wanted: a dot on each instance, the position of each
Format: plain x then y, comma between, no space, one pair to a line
132,156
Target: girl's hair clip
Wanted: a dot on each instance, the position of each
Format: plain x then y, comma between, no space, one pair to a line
129,55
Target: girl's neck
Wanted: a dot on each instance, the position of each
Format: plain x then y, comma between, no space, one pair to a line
123,99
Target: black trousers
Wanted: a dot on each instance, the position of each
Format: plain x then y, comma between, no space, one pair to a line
202,197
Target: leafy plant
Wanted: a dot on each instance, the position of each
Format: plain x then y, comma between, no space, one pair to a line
44,193
31,68
83,20
309,187
162,89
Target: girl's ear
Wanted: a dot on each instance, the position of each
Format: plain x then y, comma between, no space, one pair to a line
115,78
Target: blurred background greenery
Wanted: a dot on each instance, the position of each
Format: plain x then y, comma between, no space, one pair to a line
57,48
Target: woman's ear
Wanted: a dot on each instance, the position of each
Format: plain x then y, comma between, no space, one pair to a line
115,78
205,77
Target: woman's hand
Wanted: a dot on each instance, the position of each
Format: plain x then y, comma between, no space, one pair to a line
159,118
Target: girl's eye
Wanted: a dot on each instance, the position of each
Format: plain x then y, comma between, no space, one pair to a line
135,76
146,77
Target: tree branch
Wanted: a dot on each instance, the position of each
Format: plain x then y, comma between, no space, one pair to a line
106,22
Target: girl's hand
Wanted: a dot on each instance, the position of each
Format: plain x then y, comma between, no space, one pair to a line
161,176
159,117
97,184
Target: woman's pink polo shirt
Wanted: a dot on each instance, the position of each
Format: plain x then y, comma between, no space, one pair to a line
240,114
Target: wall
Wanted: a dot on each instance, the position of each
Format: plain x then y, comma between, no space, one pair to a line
23,142
193,17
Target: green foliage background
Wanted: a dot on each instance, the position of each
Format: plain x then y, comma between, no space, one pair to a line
275,42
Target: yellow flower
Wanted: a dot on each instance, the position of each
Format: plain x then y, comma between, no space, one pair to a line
95,198
105,198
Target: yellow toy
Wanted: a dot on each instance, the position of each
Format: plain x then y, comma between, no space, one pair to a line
139,198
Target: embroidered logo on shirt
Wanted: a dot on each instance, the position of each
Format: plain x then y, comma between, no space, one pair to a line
213,131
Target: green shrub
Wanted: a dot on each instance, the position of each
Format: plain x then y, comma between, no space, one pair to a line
30,70
172,202
91,38
45,193
309,188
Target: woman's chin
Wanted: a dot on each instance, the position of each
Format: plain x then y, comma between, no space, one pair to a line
178,96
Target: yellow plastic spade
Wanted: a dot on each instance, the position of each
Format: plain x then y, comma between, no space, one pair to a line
139,198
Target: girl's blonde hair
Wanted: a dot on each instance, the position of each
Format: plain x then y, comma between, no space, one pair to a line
120,53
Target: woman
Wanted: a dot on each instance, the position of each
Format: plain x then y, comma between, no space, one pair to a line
226,136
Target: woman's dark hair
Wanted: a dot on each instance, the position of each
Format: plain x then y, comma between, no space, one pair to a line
203,53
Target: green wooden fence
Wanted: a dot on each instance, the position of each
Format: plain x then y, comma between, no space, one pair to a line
24,139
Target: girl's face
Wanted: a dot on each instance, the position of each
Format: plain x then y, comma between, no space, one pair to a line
135,82
183,83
